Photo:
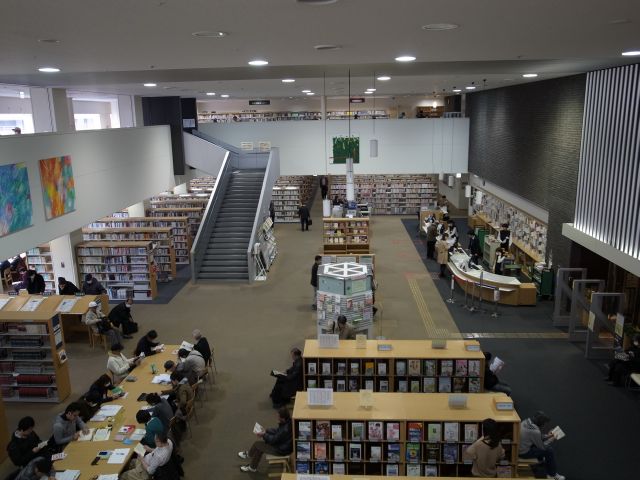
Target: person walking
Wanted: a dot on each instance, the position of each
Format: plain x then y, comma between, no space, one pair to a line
432,235
442,250
305,217
324,186
314,280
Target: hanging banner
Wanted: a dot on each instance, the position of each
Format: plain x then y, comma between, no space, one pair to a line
346,147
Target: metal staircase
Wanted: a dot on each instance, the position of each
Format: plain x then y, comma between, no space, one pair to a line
225,257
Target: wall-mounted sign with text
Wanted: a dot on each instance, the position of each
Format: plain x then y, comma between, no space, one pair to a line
246,145
259,102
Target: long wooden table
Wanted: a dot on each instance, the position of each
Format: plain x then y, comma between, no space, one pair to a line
81,454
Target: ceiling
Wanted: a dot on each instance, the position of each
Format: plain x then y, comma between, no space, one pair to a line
116,46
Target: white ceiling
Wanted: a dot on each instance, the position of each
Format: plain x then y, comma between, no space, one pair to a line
114,46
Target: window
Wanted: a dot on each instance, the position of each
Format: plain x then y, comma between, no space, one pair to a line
87,121
9,121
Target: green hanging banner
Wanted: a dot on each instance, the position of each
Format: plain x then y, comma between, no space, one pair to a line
346,147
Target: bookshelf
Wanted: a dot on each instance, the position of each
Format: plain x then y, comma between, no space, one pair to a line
204,184
179,231
40,259
33,361
410,366
294,476
4,432
361,114
389,194
124,268
288,193
193,215
256,116
400,435
345,235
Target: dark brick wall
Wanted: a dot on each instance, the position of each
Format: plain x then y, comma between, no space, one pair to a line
526,138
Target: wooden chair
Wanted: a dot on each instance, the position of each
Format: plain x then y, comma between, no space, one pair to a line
282,464
190,413
212,366
97,337
205,382
196,388
523,468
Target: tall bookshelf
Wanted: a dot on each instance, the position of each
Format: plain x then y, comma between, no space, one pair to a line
33,359
190,206
180,232
345,235
390,194
404,366
400,435
124,268
164,253
288,193
40,259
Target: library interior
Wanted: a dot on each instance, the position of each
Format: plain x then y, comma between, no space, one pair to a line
248,239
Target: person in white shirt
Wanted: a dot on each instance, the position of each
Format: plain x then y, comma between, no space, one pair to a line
193,360
155,458
119,365
99,323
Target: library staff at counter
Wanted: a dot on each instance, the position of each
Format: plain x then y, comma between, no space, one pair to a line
510,290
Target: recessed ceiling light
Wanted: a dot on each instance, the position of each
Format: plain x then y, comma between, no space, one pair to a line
530,75
368,92
470,87
150,85
288,80
438,27
48,40
631,53
384,78
224,95
48,69
457,90
258,63
327,47
209,34
405,58
619,21
306,91
371,89
211,94
21,94
317,2
310,93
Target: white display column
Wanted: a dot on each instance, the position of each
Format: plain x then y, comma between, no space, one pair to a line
126,111
52,111
351,193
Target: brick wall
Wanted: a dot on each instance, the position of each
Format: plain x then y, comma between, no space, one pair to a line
526,138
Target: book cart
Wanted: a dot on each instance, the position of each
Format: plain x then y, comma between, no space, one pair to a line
33,358
395,366
413,435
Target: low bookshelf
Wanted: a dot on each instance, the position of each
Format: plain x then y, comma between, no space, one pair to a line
414,435
345,235
411,366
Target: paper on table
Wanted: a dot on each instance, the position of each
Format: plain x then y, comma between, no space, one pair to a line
138,434
140,450
119,456
257,428
58,456
110,410
32,305
87,437
68,475
113,476
102,434
162,378
4,301
67,304
98,417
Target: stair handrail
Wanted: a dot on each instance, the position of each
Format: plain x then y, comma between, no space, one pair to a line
200,243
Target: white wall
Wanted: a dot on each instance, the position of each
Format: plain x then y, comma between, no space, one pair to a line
202,155
112,169
15,105
404,146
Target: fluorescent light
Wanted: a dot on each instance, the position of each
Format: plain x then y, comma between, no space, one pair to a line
434,104
258,63
384,78
21,94
405,58
48,69
371,89
288,80
209,34
150,85
306,91
458,175
631,53
457,90
438,27
211,94
224,95
530,75
368,93
471,87
310,93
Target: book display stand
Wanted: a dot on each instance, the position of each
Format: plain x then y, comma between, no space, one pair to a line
346,235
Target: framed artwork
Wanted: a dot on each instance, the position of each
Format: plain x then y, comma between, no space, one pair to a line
15,198
346,147
58,187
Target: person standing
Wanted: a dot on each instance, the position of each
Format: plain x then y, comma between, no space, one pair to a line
500,256
432,235
474,246
273,441
272,212
442,250
305,216
314,280
324,186
66,288
533,444
505,236
91,286
34,283
120,316
344,331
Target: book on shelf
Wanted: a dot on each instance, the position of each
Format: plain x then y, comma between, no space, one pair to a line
338,453
446,368
459,384
474,368
336,432
430,368
321,468
357,431
393,452
340,385
312,368
434,433
303,451
304,430
323,430
341,369
393,431
354,368
382,368
403,386
429,385
327,383
355,452
470,432
413,452
302,467
414,368
451,431
414,431
384,385
461,368
338,469
320,451
415,386
326,368
504,471
353,385
401,368
375,431
444,385
450,453
393,470
376,453
413,470
312,383
368,385
368,369
474,385
432,453
430,471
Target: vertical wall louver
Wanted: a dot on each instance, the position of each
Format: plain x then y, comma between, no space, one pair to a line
608,196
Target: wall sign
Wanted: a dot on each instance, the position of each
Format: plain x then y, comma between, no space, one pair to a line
246,145
259,102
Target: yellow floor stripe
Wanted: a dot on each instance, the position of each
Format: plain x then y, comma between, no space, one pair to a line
425,315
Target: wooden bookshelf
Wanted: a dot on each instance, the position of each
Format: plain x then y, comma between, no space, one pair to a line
256,116
345,235
389,194
289,192
398,435
40,259
180,233
4,431
33,361
357,114
410,366
193,214
124,268
294,476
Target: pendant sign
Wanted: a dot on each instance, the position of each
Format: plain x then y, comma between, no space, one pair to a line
259,102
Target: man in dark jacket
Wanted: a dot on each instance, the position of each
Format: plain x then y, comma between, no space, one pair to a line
23,446
491,380
120,316
34,282
303,213
273,441
66,288
314,280
92,286
289,382
474,245
147,345
432,234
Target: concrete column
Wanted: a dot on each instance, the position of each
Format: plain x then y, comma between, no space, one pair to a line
52,111
323,107
137,110
351,193
62,255
126,111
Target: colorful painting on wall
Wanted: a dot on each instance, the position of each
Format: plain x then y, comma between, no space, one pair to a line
58,187
15,198
346,147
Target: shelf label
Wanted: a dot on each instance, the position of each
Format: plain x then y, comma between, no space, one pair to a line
361,341
385,347
319,397
328,340
472,346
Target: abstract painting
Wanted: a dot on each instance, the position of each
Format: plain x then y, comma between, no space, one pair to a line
58,188
346,147
15,198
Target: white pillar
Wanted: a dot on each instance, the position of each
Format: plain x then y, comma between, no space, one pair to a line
52,111
351,194
136,210
126,111
182,188
137,109
62,255
323,107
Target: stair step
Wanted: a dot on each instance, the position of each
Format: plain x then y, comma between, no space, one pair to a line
226,269
223,276
219,257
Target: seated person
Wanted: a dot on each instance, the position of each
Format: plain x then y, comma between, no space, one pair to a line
89,405
193,360
288,383
533,444
120,366
39,468
66,288
67,427
99,323
120,316
486,452
344,331
33,282
202,345
156,457
273,441
23,446
148,345
625,363
491,381
181,394
152,427
183,369
102,389
161,409
92,286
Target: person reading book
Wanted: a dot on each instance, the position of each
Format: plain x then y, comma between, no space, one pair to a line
67,427
102,389
118,365
273,441
289,382
535,444
491,380
152,426
156,456
25,443
39,468
202,345
148,344
485,452
101,324
625,363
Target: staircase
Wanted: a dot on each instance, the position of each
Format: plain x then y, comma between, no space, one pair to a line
226,254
